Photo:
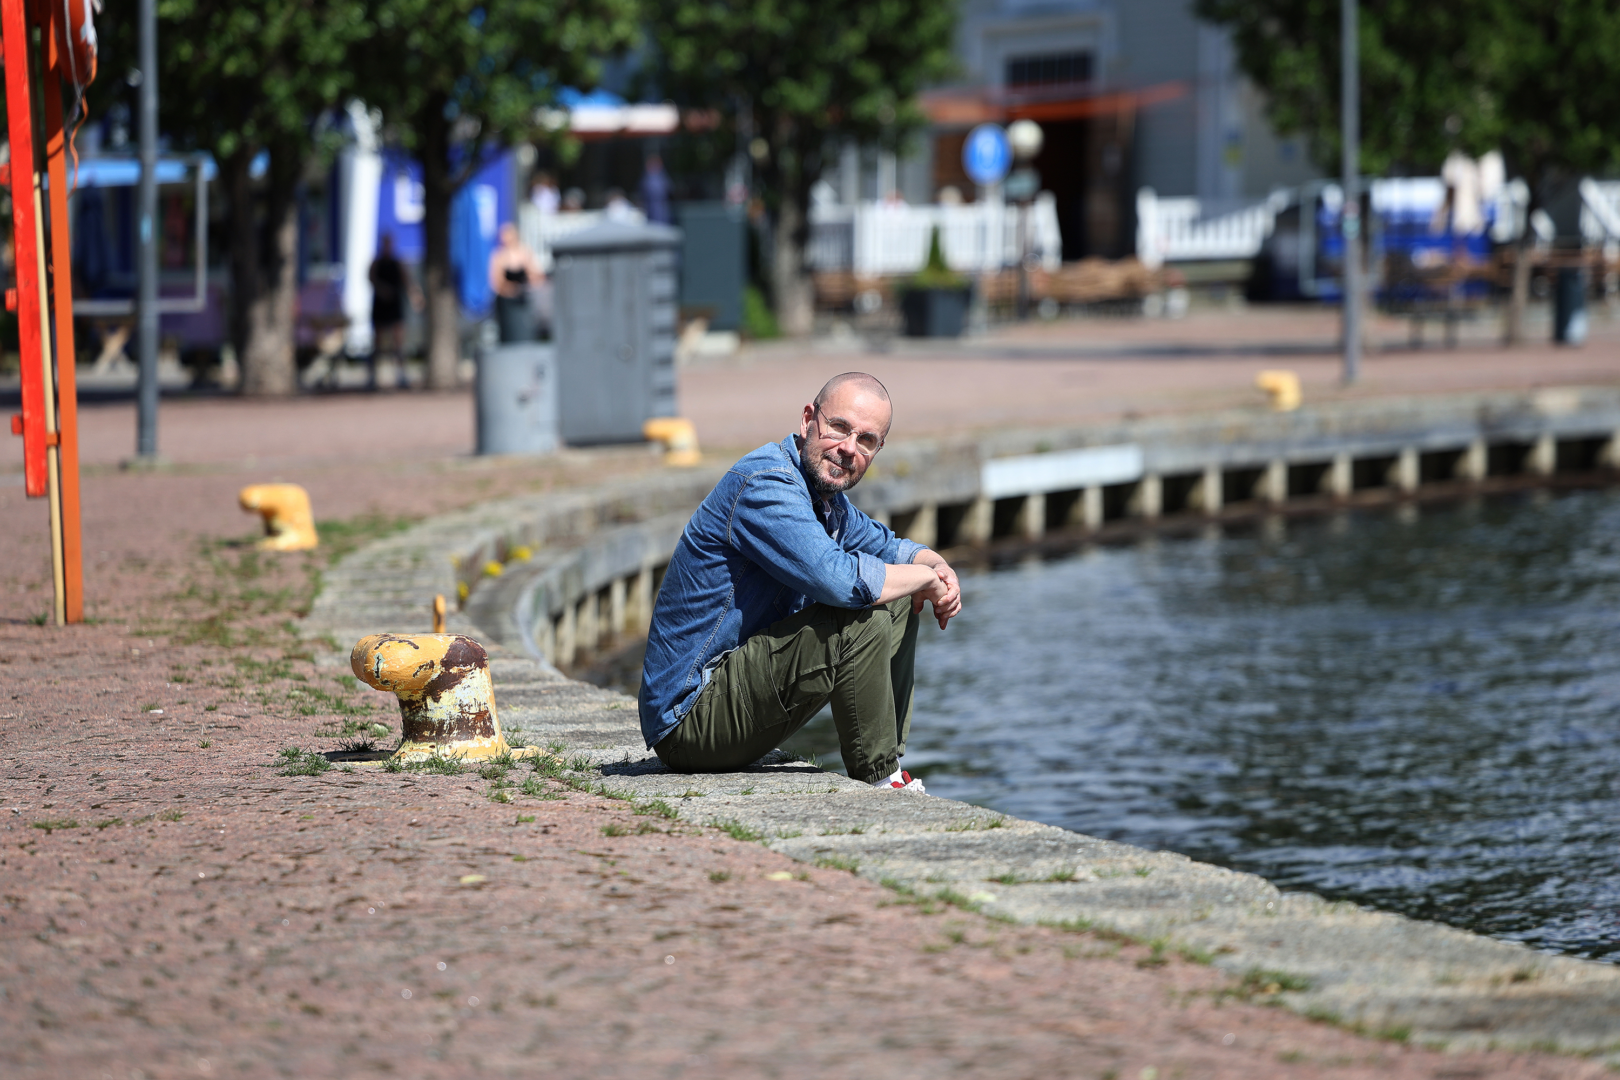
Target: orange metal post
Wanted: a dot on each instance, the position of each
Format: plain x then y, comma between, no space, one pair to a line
49,420
25,298
67,395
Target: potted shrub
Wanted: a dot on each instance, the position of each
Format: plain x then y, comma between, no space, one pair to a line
934,302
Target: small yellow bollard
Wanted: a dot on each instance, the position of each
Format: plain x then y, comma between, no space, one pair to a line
438,614
679,438
446,700
1282,387
288,523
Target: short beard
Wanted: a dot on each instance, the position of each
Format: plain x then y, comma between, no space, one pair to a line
825,488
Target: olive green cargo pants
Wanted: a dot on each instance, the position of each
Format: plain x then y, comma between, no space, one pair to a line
861,660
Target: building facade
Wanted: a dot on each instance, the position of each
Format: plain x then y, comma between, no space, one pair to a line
1129,94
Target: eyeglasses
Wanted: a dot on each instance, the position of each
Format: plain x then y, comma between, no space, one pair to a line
837,431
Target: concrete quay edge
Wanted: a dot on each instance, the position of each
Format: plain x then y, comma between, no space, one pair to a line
1378,971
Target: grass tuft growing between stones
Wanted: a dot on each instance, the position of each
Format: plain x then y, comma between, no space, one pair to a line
437,765
838,862
50,825
738,831
299,762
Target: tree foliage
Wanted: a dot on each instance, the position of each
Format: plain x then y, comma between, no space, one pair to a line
454,77
236,79
1532,78
805,76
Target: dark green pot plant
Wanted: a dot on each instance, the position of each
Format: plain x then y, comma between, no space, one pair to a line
934,302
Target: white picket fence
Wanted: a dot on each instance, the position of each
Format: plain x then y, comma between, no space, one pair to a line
1181,230
872,239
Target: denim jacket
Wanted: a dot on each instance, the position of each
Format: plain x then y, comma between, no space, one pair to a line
760,548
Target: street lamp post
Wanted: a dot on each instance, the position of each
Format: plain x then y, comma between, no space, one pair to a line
1350,124
1025,138
146,318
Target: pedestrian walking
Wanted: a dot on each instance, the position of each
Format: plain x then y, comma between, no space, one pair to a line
391,289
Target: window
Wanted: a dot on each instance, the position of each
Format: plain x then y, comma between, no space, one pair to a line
1053,69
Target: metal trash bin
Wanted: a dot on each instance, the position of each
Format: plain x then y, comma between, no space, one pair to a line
613,325
1569,306
516,394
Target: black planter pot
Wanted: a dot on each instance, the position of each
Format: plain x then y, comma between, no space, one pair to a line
934,312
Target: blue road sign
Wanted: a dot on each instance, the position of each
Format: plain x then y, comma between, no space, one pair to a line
986,155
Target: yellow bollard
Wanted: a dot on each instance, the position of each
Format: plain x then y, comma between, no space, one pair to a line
446,700
679,438
288,523
438,614
1282,387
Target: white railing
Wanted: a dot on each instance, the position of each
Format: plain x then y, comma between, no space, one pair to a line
1177,230
872,239
1600,211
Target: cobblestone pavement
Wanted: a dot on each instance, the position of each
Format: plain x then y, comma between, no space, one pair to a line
173,906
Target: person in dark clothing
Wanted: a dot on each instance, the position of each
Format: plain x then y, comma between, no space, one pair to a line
655,192
391,288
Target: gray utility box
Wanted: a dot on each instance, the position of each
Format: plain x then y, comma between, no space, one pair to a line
714,261
613,324
517,399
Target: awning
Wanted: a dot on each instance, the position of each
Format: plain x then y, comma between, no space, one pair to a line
601,114
977,105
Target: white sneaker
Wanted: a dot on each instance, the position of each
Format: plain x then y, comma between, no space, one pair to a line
901,781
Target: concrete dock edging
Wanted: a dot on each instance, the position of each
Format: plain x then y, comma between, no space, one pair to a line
595,572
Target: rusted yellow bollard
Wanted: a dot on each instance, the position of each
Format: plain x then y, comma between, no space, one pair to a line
446,701
1282,387
679,438
288,523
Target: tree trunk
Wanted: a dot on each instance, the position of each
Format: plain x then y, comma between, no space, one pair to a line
243,235
269,361
264,286
438,284
795,296
1513,328
269,365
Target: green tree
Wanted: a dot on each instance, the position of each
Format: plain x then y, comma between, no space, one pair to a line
1532,78
238,78
797,79
454,78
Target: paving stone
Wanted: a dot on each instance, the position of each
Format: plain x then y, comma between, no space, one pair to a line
1371,968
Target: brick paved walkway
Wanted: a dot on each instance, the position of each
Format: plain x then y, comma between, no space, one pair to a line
175,907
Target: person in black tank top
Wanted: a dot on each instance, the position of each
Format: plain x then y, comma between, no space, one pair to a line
513,271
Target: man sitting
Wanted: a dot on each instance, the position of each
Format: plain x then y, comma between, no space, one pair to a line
781,596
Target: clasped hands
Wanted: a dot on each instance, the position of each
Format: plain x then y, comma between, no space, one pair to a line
944,592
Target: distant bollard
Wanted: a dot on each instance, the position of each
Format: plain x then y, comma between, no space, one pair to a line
679,438
446,700
1282,387
438,614
288,523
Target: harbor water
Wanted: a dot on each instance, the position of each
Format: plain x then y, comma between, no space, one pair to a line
1413,709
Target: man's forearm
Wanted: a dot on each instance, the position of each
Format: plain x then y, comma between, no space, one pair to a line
906,579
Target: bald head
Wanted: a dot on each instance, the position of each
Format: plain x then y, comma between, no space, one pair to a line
856,380
852,409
